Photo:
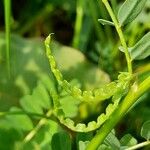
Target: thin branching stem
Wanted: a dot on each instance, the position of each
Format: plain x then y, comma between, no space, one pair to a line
33,132
120,33
139,145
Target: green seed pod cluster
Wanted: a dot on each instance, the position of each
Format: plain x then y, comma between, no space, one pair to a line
114,89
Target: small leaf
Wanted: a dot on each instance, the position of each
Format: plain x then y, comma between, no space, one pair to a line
19,121
130,10
105,22
141,49
121,48
41,93
145,131
29,104
72,110
112,141
61,141
48,82
128,140
38,101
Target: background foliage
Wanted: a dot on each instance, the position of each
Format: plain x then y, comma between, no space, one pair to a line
87,54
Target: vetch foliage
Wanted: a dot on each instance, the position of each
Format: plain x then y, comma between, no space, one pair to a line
99,94
106,22
114,89
141,49
130,10
51,118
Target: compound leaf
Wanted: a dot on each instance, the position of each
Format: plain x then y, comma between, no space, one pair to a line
39,100
130,10
141,49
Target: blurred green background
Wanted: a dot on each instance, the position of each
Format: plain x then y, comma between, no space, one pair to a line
84,49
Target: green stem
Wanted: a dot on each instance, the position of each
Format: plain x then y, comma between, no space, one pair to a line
139,145
114,5
78,23
33,132
7,5
132,96
120,33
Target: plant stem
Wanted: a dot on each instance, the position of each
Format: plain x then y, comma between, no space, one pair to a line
139,145
7,5
132,96
78,23
33,132
120,33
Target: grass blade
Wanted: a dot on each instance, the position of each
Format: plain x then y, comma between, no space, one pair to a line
7,6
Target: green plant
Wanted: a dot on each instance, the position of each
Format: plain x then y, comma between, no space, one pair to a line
51,117
7,25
